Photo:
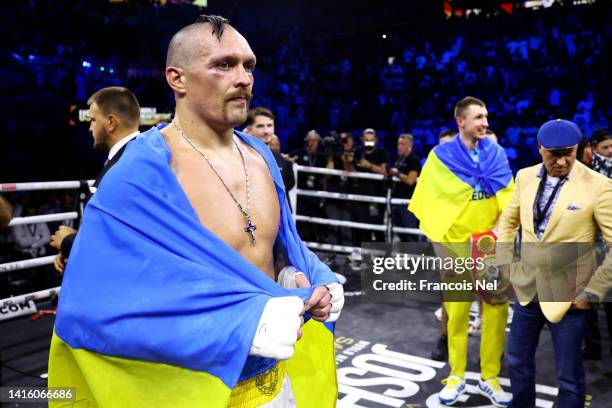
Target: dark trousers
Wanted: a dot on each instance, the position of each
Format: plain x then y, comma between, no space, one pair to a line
368,214
592,339
567,336
403,218
310,206
338,210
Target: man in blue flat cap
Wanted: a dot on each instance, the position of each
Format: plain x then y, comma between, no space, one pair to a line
560,206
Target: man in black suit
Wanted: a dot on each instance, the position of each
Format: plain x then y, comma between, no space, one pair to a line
115,116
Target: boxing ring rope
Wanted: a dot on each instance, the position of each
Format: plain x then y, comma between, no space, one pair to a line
35,219
340,223
39,295
45,185
388,228
39,186
26,263
77,184
353,197
31,263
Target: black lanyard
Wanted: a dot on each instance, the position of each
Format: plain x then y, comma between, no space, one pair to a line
540,214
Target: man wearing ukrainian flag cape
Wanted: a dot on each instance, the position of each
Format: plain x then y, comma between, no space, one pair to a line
463,188
169,298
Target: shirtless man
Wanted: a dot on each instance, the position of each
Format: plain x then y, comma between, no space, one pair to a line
189,222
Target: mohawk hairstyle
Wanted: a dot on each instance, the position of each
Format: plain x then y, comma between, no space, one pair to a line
181,48
217,22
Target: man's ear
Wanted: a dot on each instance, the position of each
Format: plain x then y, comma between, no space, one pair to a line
176,79
112,122
460,122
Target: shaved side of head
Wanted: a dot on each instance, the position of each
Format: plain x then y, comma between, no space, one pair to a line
187,45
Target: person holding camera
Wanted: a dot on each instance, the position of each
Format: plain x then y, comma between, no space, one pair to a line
341,156
371,159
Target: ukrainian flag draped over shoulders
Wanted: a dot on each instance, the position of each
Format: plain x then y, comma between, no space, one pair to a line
156,310
448,181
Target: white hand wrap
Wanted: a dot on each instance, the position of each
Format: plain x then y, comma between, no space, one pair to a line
286,277
278,328
337,301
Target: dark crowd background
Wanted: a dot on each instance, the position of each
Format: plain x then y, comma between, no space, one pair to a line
321,65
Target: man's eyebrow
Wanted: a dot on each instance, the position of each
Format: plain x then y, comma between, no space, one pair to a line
232,57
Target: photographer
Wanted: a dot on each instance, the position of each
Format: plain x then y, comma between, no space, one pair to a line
340,156
371,160
310,206
407,168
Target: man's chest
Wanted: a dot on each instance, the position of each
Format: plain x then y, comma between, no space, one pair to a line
224,201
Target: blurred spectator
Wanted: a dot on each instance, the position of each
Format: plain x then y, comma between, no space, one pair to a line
275,144
310,206
342,159
407,168
31,239
372,159
597,153
446,136
260,123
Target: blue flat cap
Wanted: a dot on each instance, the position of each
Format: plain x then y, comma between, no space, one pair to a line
559,134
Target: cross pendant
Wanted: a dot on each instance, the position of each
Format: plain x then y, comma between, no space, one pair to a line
250,229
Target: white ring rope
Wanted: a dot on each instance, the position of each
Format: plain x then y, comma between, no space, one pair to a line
352,197
413,231
340,223
341,196
41,294
26,263
58,185
331,247
43,185
356,174
344,248
35,219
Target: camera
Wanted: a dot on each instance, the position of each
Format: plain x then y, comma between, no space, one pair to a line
333,144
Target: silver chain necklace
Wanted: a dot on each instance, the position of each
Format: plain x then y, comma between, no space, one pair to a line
250,227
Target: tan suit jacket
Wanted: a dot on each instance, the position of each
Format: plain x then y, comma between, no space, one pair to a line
554,269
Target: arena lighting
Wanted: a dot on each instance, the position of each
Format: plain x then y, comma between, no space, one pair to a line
102,69
488,7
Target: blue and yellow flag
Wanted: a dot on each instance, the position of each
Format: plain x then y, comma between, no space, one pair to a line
448,183
156,310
